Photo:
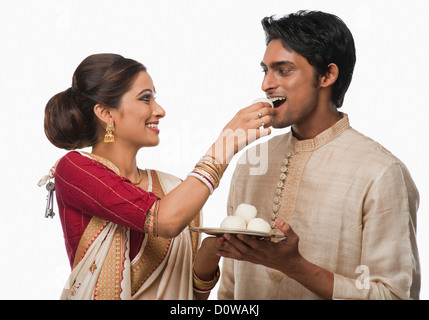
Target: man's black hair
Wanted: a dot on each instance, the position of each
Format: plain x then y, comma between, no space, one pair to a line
321,38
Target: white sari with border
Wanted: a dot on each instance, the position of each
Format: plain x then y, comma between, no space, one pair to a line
162,270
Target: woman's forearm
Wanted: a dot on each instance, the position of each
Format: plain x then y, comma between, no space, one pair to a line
206,264
182,204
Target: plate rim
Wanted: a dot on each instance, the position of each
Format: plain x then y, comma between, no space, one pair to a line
217,231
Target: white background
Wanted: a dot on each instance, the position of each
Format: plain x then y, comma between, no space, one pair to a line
204,59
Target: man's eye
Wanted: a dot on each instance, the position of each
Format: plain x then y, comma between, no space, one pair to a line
283,71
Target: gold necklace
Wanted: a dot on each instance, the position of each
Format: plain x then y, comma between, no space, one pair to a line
140,178
279,190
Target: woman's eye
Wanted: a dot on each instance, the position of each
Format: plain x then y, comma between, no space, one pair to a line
145,98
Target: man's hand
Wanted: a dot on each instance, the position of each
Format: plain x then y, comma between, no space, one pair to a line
281,255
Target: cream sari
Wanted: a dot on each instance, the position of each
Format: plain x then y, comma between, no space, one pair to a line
162,269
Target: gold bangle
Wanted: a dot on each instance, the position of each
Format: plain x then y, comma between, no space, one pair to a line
205,285
214,162
210,170
208,176
212,158
213,166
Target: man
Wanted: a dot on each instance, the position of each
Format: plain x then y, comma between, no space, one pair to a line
346,205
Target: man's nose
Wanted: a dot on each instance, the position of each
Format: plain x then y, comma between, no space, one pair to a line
269,82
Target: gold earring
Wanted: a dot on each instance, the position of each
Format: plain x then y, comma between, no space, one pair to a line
109,137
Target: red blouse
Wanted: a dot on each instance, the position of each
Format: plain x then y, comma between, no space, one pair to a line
86,188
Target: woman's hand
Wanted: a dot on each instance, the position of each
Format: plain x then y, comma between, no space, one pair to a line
206,262
206,259
248,125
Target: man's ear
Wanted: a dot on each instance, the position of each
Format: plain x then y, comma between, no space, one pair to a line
330,76
102,113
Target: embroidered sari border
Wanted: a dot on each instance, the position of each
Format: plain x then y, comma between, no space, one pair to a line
155,250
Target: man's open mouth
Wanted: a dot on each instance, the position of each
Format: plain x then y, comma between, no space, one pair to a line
278,101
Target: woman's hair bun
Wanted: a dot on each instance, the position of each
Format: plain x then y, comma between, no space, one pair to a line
70,122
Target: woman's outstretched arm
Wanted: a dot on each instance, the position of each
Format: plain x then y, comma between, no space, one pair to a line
183,203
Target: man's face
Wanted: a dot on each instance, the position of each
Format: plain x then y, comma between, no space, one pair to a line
289,77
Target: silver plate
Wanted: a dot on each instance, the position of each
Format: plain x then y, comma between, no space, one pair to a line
221,231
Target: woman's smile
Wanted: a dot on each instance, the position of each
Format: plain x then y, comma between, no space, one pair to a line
153,126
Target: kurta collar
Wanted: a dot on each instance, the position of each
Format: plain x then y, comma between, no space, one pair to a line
322,138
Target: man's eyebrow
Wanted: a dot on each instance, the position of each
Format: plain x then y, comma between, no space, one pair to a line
277,64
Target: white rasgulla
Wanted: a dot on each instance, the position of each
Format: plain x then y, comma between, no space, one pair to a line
263,100
233,222
259,225
246,211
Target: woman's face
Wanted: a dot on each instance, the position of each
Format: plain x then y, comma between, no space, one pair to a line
137,118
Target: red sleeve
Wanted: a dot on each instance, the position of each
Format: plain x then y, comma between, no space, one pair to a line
92,188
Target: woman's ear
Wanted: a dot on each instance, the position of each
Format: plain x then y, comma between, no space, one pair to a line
102,113
330,76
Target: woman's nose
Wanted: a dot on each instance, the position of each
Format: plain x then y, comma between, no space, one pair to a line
158,111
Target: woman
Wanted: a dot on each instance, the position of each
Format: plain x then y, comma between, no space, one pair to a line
125,228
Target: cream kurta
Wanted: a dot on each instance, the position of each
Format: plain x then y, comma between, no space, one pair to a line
351,202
